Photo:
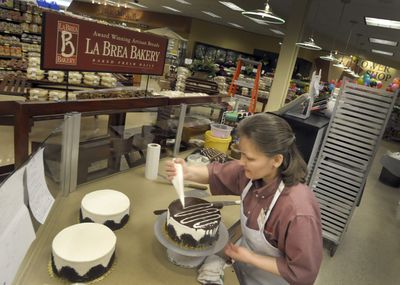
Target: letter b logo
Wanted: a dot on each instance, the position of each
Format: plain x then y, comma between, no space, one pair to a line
67,43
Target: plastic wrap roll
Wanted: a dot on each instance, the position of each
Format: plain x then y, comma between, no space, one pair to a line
152,161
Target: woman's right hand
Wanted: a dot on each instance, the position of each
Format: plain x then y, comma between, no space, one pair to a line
171,170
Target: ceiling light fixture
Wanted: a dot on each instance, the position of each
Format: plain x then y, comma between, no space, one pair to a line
211,14
232,6
171,9
339,65
383,42
278,32
382,52
235,25
383,23
183,2
260,22
329,57
310,44
265,15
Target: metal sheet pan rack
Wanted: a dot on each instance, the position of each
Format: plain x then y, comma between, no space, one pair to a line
353,135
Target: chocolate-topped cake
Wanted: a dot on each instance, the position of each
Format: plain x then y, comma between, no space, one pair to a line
196,225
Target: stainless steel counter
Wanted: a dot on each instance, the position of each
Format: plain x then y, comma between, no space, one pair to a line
140,258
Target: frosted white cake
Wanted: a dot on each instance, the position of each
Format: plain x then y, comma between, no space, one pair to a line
83,252
196,225
108,207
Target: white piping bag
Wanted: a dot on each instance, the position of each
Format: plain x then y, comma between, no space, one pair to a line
177,181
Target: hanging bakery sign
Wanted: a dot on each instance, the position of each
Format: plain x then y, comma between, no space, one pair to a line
69,43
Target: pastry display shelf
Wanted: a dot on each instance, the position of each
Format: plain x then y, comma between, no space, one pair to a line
23,112
18,10
10,57
60,85
10,33
14,21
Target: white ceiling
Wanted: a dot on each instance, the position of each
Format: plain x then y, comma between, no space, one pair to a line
325,25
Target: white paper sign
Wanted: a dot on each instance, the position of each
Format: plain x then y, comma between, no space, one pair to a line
11,197
40,199
15,241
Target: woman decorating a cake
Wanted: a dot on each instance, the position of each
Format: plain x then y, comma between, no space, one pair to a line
280,217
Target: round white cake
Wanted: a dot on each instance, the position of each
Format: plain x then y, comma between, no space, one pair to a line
108,207
83,252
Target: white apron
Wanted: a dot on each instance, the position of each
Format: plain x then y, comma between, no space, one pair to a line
255,240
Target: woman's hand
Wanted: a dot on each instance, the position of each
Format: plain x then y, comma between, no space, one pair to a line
171,170
197,174
239,253
242,254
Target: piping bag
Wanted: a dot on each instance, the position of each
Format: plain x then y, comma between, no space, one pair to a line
177,181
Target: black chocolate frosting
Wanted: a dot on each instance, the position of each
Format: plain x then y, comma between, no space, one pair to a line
70,274
109,223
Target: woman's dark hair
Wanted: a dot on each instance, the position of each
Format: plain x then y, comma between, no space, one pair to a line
272,135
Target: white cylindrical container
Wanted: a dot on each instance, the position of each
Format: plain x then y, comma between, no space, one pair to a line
152,161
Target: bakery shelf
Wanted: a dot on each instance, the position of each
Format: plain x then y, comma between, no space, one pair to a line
32,33
9,8
10,33
12,21
64,84
10,57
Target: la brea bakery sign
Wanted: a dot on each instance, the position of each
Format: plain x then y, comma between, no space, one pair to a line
69,43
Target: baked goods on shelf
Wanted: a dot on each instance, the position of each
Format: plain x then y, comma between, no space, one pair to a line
194,226
38,94
127,92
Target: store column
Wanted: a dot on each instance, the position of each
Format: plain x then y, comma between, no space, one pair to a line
288,54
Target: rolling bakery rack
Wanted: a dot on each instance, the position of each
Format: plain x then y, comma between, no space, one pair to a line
352,138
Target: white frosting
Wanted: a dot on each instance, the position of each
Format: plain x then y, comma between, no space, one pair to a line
83,246
197,232
103,205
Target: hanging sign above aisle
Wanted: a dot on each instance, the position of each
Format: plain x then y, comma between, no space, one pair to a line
70,43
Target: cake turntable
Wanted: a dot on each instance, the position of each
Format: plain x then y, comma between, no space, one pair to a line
186,257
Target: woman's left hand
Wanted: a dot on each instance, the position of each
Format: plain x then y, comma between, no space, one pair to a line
239,253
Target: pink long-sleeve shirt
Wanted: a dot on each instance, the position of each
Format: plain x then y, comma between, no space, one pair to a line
294,226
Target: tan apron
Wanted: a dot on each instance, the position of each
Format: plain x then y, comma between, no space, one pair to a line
255,240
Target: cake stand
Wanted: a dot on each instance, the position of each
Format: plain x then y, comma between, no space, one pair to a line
186,257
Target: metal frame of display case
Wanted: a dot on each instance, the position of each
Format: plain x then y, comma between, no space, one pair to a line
21,114
352,138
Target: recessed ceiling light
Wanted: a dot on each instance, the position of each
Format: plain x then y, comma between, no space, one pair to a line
172,9
231,6
278,32
382,52
137,4
235,25
383,42
183,2
383,23
258,21
211,14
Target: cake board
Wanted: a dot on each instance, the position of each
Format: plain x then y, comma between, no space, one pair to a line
186,257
